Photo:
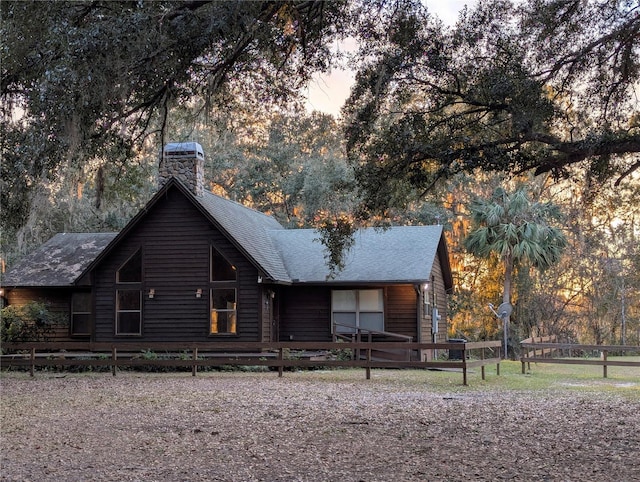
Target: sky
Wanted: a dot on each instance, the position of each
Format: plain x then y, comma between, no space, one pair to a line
328,92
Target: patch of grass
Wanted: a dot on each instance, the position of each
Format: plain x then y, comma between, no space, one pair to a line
542,378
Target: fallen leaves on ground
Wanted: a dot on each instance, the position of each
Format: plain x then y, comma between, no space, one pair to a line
257,427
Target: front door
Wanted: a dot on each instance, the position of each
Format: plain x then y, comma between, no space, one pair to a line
269,316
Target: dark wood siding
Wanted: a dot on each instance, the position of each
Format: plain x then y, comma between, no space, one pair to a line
441,300
58,301
175,238
401,314
305,314
441,303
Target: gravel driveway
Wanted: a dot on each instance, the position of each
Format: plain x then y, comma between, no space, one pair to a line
306,427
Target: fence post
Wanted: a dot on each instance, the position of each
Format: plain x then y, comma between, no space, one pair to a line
368,369
280,358
464,373
114,357
482,367
194,367
604,364
33,361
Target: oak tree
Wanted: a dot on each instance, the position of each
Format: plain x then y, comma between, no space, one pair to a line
538,85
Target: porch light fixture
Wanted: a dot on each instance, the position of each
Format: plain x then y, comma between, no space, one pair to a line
199,293
152,293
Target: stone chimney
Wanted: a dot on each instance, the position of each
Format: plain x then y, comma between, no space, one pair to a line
185,162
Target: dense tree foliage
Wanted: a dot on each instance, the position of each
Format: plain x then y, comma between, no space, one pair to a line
83,80
538,85
438,117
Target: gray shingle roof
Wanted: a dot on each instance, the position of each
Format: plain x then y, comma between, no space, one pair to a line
59,261
397,254
248,228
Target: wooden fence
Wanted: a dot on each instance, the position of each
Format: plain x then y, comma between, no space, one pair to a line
279,355
546,350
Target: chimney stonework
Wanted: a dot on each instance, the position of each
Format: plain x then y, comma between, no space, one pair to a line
185,162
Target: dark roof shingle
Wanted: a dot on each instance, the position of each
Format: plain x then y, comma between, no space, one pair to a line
396,254
393,255
59,261
249,229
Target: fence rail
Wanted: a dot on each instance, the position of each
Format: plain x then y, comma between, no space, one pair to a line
544,350
276,355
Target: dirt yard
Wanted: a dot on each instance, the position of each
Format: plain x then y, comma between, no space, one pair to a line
307,427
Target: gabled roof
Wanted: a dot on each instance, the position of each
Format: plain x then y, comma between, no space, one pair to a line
58,262
403,254
247,228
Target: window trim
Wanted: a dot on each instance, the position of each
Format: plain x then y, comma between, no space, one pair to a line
118,311
230,284
72,313
233,311
129,286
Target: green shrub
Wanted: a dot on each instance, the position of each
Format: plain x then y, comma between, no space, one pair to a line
30,322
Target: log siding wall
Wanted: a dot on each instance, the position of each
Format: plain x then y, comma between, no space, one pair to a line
306,312
175,239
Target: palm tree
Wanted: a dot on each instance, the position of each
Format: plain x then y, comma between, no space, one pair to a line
517,230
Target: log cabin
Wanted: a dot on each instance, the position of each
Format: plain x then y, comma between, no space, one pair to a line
194,266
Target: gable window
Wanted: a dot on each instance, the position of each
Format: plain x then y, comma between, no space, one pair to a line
223,295
131,270
221,269
129,296
354,310
81,314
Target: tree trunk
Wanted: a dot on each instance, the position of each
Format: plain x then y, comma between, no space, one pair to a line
506,298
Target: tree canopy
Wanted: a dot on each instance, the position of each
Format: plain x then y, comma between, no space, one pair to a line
537,85
540,85
93,79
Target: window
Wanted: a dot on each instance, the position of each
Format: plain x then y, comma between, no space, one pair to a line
131,270
223,310
221,269
357,309
81,314
224,277
129,296
128,312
